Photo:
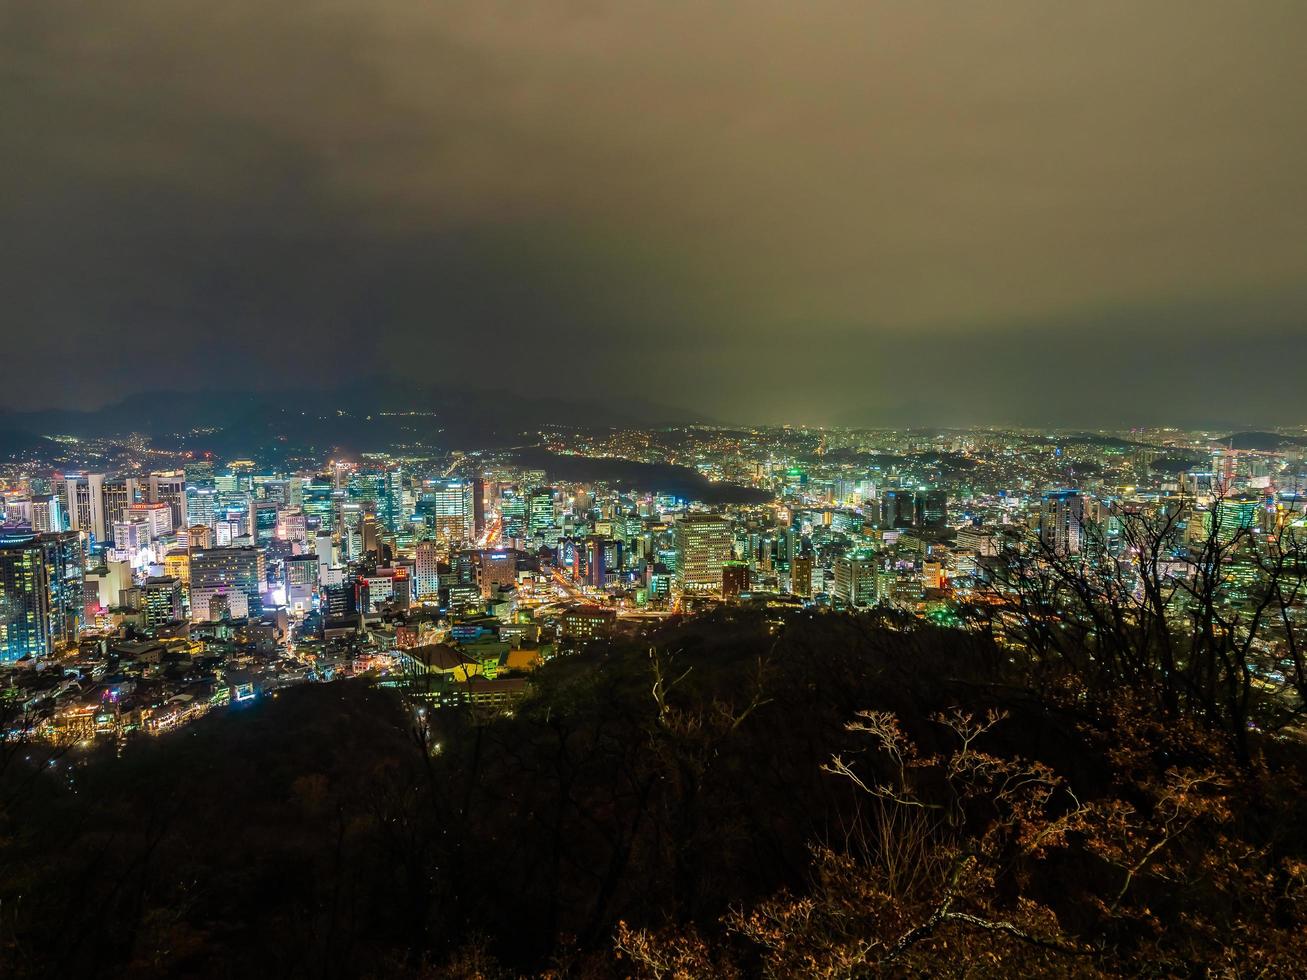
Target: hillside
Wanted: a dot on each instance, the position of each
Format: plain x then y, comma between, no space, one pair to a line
657,799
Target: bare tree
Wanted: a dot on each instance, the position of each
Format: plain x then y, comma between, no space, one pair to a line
1197,622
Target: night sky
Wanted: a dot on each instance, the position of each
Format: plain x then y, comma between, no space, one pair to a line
862,212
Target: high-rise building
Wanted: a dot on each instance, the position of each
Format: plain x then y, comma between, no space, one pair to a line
47,515
162,601
1062,521
981,540
156,517
370,534
703,544
913,508
177,564
540,511
199,473
426,577
170,488
1236,514
512,510
931,507
855,579
131,540
118,494
897,509
603,560
292,526
449,509
735,579
320,502
263,521
478,490
219,571
84,496
41,595
199,536
801,575
202,505
497,569
301,581
325,550
390,507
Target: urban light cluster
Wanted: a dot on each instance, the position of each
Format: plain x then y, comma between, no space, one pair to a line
136,599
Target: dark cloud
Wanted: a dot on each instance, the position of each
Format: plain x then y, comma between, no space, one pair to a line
827,211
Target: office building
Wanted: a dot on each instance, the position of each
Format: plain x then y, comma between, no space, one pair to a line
117,495
801,575
1062,521
735,579
83,495
170,488
42,600
162,601
426,577
448,507
855,579
223,573
703,545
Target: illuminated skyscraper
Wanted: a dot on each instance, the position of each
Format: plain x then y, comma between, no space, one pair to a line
603,560
426,578
913,508
735,579
83,494
801,575
41,595
118,494
478,490
47,515
325,549
199,473
170,488
497,569
932,508
370,534
162,602
301,581
263,521
540,511
1235,514
156,517
177,564
703,544
449,510
512,509
320,503
391,507
1062,521
201,505
897,509
219,571
855,579
199,536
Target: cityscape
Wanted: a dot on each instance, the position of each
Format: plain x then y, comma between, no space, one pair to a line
628,490
138,599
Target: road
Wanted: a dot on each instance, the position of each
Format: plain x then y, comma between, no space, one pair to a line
491,534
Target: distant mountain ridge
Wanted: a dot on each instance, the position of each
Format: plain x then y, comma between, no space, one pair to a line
1263,441
373,414
16,444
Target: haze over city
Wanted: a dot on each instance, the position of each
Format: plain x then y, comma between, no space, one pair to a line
882,213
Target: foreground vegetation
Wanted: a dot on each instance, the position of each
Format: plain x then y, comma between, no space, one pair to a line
820,795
